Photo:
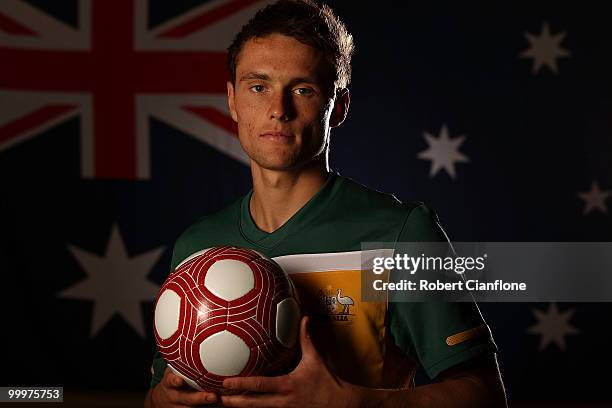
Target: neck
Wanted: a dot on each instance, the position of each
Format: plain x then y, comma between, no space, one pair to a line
278,195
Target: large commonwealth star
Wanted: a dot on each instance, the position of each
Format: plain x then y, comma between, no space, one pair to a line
116,283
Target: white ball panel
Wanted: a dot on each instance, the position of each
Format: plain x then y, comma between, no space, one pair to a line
224,353
287,321
167,313
188,380
229,279
190,257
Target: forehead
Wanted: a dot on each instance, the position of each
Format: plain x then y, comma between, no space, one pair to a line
281,57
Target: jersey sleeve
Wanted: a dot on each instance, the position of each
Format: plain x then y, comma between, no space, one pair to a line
157,369
438,335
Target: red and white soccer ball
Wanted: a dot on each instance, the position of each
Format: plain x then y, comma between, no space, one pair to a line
226,312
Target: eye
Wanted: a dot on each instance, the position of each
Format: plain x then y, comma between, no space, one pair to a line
257,88
303,91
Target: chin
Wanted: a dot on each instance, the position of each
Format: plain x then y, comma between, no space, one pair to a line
278,166
278,163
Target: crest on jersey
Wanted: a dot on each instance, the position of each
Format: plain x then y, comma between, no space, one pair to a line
335,305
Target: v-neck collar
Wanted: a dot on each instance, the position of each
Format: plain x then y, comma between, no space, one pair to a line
303,216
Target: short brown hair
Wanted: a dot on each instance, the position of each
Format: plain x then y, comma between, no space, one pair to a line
310,23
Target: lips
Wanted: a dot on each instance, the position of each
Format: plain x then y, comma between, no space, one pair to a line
277,136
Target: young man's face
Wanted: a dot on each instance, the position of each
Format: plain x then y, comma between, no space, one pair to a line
283,101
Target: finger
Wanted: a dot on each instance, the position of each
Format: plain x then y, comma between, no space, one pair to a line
193,397
254,384
252,401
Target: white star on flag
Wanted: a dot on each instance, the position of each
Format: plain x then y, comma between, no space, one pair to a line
553,326
545,49
116,283
595,199
443,152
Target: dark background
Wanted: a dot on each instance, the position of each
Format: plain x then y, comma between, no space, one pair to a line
534,142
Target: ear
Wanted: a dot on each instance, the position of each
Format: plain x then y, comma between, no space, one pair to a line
341,107
231,103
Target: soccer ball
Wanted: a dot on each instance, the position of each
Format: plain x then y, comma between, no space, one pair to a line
226,312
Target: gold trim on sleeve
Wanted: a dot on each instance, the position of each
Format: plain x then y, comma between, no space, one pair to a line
467,335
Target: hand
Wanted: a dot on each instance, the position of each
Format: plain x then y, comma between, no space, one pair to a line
172,391
311,384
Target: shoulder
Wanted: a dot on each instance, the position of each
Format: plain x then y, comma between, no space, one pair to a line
210,230
422,225
359,197
416,220
372,215
223,218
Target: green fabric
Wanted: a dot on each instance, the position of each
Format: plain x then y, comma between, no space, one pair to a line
421,329
159,366
341,216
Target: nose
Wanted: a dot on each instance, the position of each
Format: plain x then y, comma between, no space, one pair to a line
281,108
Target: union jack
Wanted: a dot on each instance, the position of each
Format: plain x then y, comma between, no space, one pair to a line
115,72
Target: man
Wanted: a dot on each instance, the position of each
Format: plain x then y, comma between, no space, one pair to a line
290,68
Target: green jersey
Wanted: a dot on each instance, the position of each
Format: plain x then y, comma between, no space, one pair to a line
375,344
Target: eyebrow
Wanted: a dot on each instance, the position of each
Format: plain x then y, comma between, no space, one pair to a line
296,81
264,77
254,75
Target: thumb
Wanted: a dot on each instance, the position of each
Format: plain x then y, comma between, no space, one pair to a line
174,380
308,349
178,381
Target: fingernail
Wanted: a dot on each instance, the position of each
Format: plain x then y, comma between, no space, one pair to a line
211,398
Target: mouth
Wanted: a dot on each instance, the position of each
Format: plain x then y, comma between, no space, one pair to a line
277,136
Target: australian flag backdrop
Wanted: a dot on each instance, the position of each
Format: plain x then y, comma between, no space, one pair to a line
115,136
